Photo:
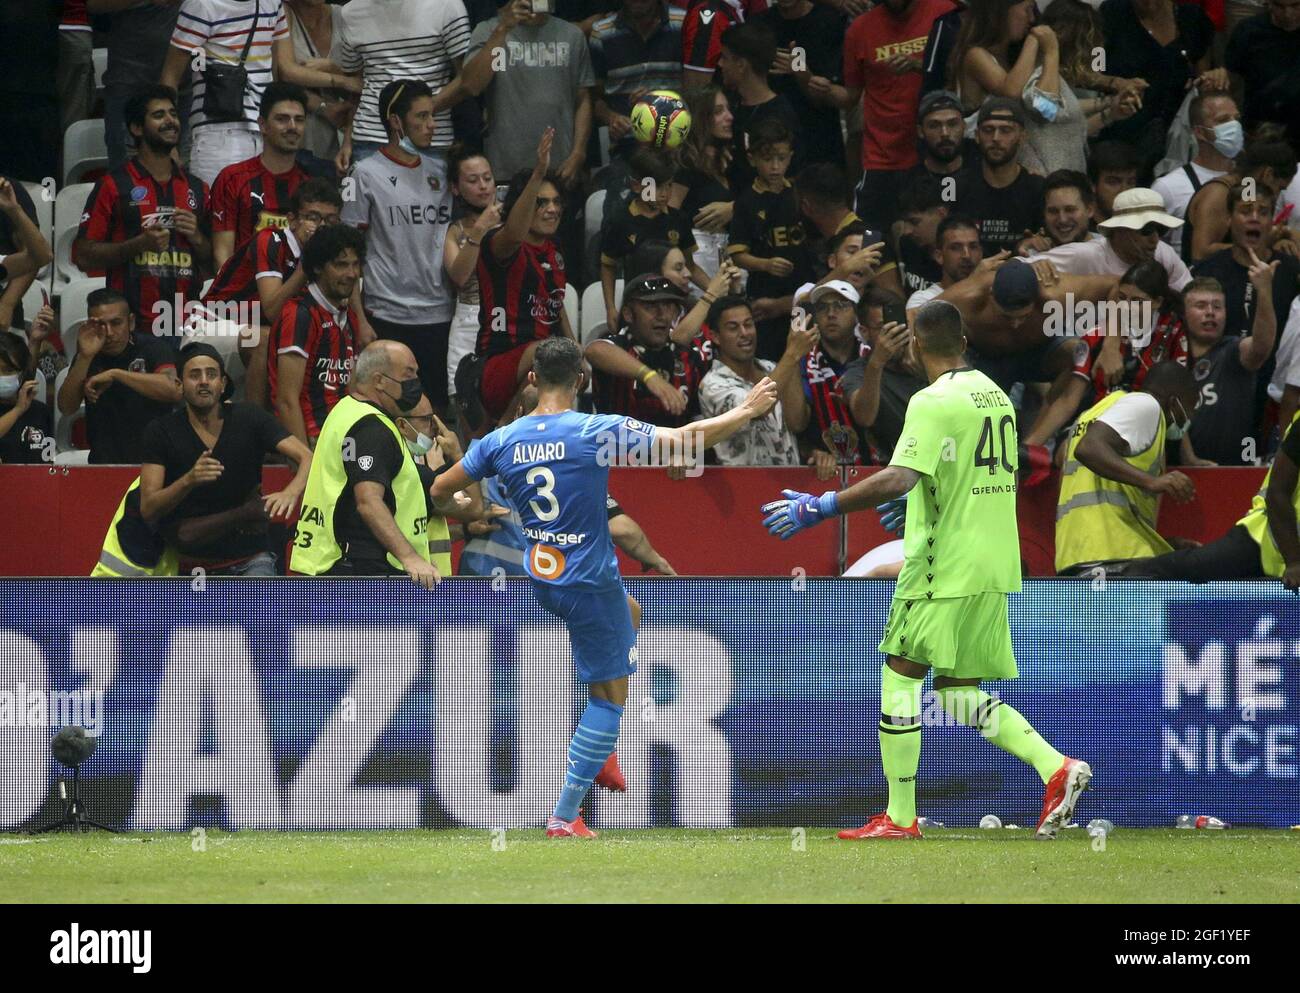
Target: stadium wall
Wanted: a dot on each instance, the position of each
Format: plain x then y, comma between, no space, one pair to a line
55,518
352,704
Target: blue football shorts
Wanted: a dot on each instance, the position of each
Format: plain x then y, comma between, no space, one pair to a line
600,629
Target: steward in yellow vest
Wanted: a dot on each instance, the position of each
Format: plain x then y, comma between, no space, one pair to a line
1263,543
366,510
1114,472
131,547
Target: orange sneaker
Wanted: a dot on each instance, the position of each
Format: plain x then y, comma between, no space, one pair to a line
1060,796
610,776
880,826
556,828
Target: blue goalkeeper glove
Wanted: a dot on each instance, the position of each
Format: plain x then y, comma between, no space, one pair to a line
798,511
893,514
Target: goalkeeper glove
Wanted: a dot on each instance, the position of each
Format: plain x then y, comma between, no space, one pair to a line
798,511
893,514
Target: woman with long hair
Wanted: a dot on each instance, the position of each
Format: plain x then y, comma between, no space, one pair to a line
982,66
700,187
313,28
475,188
1078,32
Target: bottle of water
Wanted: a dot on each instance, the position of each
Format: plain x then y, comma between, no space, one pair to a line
1100,824
1202,822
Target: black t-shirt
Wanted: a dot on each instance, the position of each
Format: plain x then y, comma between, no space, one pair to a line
1239,292
1005,214
970,153
769,225
897,388
741,173
1226,416
702,189
115,423
820,33
25,442
378,459
1268,59
248,434
628,228
919,269
1131,52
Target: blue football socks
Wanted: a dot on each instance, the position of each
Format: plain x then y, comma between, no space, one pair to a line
592,743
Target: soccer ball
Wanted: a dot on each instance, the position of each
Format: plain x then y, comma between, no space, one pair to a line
660,118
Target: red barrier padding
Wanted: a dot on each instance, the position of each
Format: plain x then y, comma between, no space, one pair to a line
708,525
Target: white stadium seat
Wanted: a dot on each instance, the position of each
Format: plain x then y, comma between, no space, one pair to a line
84,149
571,309
100,58
592,215
63,423
593,311
72,310
68,208
44,221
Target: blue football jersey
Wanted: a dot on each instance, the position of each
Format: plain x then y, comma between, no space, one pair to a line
556,473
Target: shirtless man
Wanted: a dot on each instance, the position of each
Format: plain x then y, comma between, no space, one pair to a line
1005,309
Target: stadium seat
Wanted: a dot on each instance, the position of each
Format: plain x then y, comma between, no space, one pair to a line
571,308
593,213
593,311
72,310
84,149
42,391
32,303
63,424
74,456
44,221
68,208
207,285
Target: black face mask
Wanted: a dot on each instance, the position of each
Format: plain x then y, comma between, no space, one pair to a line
411,392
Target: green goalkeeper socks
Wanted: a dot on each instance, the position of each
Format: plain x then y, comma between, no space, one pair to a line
1003,725
900,742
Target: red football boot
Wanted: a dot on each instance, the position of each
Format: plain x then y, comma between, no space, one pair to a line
610,776
880,826
556,828
1060,796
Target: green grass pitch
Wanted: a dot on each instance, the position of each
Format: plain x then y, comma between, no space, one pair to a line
736,865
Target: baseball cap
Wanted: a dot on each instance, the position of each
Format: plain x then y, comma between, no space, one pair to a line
1001,107
839,286
650,287
1138,207
938,100
1015,285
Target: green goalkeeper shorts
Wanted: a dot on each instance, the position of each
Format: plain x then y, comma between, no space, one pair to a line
966,637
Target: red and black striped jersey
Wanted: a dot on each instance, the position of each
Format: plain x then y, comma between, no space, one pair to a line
520,299
832,421
702,33
247,197
271,252
313,328
684,366
123,203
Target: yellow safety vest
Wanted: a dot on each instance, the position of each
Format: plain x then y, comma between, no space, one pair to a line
149,556
1101,519
315,547
1256,523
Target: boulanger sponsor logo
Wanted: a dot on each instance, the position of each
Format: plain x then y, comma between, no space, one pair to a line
1131,319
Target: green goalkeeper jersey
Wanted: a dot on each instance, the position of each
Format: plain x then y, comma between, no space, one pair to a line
961,536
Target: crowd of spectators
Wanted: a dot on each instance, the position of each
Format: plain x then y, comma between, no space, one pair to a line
445,173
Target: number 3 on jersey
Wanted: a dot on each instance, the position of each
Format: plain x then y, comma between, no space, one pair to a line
545,491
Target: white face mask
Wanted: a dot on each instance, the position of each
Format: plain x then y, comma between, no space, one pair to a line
1175,430
421,445
9,387
1229,138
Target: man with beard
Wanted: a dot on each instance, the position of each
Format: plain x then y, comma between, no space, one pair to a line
958,252
1005,197
254,194
145,222
201,473
1068,203
942,130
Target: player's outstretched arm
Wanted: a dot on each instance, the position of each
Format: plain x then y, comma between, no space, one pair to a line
449,483
798,511
700,435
